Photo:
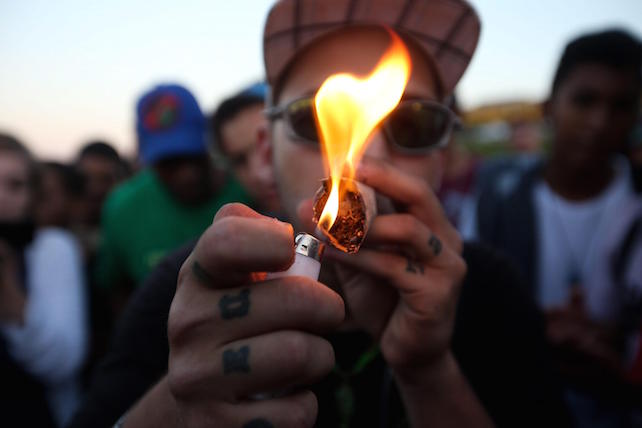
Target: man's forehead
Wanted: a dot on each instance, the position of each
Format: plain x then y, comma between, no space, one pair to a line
604,78
356,51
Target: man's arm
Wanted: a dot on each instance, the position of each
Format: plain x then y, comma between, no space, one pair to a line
156,409
440,395
234,336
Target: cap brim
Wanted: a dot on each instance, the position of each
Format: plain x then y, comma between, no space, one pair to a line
166,145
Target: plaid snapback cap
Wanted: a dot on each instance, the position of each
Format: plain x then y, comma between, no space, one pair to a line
445,30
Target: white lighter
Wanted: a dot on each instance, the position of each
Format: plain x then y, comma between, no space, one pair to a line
308,251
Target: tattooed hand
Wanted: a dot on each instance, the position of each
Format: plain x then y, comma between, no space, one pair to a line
233,336
403,285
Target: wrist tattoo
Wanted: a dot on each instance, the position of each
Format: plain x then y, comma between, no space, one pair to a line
258,423
236,361
235,306
435,244
202,274
414,267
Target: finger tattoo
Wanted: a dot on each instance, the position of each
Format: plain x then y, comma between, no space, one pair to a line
414,267
435,244
258,423
236,361
235,306
201,273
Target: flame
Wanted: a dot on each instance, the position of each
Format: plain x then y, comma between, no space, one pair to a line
348,109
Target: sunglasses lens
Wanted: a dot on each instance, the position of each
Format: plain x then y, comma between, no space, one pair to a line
415,125
301,116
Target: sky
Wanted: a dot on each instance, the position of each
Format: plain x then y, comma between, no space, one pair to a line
72,69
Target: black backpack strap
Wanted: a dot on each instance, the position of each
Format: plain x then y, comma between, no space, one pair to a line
631,302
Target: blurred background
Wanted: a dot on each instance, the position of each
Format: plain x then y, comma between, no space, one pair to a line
72,70
94,191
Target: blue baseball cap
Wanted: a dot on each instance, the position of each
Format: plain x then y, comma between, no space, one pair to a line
258,90
169,123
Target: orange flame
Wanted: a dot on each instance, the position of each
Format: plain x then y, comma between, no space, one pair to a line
349,108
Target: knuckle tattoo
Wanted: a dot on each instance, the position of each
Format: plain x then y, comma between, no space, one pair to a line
435,244
414,267
235,306
201,273
236,361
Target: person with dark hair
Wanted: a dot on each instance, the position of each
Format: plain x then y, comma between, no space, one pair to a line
98,148
634,153
43,329
416,329
569,222
62,190
102,168
168,202
236,128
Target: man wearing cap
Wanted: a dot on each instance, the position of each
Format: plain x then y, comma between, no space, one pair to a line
407,332
171,200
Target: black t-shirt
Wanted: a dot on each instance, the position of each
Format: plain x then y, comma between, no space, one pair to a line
498,342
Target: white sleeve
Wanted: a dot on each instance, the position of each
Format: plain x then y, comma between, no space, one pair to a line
468,219
52,342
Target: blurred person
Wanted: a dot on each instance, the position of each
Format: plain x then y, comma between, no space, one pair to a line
569,220
634,153
235,127
102,168
458,180
525,136
170,201
43,326
413,350
60,197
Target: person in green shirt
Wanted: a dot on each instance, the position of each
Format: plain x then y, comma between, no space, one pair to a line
170,201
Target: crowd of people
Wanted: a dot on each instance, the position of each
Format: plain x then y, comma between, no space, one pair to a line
498,292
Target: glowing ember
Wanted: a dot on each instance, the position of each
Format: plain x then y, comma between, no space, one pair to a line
348,109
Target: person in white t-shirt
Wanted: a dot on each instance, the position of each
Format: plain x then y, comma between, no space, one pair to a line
569,222
43,320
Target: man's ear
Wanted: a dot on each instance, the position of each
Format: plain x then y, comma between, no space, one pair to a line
264,145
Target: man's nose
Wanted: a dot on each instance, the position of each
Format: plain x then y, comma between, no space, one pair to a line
377,147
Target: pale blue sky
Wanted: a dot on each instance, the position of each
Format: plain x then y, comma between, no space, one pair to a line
72,69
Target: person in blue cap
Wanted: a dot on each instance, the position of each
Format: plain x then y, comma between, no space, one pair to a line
171,200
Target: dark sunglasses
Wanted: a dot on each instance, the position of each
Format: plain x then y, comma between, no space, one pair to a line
414,127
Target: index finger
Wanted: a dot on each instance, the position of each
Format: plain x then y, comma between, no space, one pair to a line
235,209
234,247
412,192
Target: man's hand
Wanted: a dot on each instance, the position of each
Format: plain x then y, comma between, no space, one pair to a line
403,285
233,336
585,351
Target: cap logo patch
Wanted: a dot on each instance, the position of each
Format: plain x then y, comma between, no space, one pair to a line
161,112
